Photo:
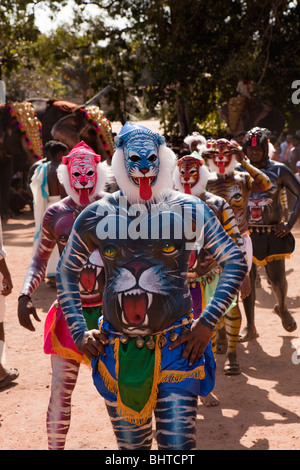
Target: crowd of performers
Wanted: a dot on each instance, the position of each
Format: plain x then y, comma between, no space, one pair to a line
149,276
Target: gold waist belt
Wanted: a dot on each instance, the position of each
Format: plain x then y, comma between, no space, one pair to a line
260,228
148,339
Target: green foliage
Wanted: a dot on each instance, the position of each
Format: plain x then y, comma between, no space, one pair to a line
180,59
17,33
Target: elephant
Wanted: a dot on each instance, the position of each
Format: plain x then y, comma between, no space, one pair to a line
86,124
49,111
64,121
70,123
242,114
20,146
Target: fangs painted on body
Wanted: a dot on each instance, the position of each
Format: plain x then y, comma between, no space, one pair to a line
135,292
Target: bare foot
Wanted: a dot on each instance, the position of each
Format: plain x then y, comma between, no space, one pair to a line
247,334
209,400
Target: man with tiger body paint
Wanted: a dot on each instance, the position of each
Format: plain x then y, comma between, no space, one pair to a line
235,187
191,177
148,355
271,236
84,178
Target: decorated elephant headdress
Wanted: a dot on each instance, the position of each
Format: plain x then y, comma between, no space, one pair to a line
142,163
82,175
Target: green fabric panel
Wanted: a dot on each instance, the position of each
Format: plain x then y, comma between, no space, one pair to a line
136,369
91,315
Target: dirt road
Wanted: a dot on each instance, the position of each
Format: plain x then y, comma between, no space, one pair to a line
259,409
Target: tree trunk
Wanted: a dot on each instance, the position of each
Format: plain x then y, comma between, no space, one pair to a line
182,114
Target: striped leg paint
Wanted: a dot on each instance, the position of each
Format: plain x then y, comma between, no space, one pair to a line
175,425
176,421
233,320
64,377
129,436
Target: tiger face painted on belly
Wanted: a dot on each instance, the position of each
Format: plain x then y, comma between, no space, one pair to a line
234,190
146,288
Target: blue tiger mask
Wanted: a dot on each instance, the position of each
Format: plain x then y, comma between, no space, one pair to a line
141,159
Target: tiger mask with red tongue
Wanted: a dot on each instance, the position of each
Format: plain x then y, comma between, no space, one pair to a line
82,174
220,156
142,164
191,175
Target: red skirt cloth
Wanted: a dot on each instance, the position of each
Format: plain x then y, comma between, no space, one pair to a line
57,337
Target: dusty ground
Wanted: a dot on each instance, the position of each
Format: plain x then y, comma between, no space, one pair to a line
259,409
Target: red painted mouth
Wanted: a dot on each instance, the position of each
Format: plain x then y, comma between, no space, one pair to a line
91,281
135,308
88,279
256,212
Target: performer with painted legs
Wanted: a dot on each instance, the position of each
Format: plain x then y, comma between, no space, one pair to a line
272,239
235,187
83,177
191,177
148,354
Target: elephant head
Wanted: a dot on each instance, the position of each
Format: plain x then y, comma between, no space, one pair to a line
16,143
50,111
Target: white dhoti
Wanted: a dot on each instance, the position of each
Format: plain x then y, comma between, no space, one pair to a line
248,249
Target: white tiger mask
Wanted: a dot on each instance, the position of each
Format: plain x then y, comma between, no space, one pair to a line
142,164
